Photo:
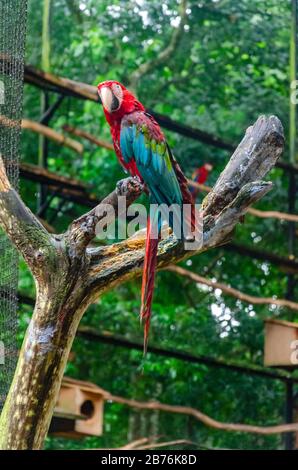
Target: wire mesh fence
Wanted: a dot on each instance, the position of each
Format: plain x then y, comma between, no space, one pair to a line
12,42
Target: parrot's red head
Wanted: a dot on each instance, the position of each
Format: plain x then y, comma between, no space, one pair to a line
117,100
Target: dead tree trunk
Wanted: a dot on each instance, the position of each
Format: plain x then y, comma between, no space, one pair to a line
69,275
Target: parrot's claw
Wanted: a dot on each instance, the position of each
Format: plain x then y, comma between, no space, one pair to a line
129,185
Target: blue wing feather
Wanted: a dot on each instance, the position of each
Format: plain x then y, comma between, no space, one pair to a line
153,162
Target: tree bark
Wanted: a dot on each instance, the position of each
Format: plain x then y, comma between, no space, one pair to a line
70,275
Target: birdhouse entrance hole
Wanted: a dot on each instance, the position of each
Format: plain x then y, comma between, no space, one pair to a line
87,409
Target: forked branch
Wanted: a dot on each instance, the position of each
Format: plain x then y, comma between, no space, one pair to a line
70,275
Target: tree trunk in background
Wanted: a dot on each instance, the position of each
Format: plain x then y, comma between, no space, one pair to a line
134,422
154,418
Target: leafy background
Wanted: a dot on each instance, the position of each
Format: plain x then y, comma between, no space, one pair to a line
230,65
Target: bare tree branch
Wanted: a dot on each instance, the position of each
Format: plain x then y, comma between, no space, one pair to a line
250,157
166,53
83,229
273,214
22,227
202,417
158,445
134,444
148,443
124,260
231,291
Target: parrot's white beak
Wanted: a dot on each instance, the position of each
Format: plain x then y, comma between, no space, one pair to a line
208,166
109,100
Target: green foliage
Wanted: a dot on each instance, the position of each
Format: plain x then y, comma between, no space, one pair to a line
230,66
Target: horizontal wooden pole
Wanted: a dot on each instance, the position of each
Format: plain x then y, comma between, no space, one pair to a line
107,337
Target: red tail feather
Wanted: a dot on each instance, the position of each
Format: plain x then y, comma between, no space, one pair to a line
148,281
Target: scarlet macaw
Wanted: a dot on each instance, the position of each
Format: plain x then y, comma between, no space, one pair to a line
200,176
142,150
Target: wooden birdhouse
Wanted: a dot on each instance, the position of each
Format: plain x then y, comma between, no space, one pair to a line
79,410
281,344
295,420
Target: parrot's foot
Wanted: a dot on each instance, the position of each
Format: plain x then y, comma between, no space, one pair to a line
129,186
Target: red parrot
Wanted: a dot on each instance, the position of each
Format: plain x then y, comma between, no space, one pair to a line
142,150
200,176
